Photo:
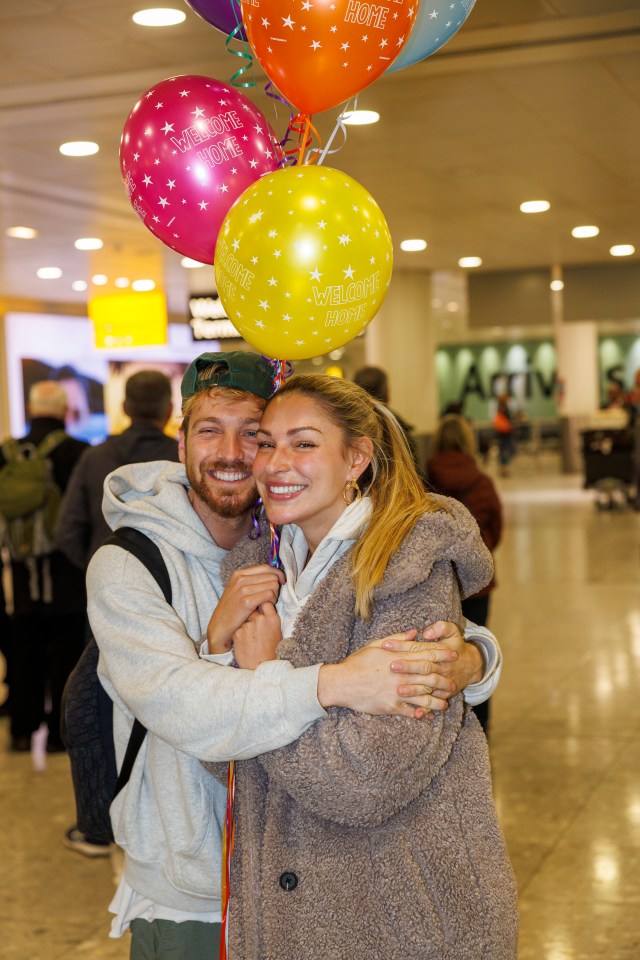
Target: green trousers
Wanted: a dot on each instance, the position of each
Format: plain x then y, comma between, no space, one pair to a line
166,940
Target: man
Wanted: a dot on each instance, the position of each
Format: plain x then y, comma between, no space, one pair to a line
375,381
168,819
48,596
81,527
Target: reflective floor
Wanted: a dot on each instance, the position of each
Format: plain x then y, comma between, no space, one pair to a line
565,748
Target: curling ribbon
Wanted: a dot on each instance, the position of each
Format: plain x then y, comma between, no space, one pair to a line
244,53
340,126
282,370
269,92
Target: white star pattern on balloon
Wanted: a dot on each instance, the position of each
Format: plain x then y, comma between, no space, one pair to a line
332,30
228,145
317,293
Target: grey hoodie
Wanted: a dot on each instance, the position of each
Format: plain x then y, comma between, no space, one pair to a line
169,818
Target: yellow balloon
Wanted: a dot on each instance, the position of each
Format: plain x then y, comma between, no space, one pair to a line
303,261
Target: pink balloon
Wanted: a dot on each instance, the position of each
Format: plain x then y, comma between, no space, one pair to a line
190,147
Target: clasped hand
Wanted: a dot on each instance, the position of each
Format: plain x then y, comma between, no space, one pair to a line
391,675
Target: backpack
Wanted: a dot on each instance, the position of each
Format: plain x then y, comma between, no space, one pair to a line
87,714
29,497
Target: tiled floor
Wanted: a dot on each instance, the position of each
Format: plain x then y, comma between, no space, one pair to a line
565,749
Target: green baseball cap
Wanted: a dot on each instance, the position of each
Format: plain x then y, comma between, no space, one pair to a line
244,371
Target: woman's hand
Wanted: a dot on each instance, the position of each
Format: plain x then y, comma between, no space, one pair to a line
246,591
258,637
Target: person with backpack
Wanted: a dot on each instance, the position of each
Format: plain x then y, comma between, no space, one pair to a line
81,527
169,816
47,591
80,531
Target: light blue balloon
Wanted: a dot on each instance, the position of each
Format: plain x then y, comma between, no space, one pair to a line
436,23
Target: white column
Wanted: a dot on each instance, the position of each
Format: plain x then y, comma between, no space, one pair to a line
578,380
402,340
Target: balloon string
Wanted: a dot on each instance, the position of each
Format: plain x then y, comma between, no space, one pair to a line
303,127
274,547
228,838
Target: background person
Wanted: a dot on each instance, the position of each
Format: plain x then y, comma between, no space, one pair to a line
376,382
451,469
48,596
81,527
503,429
367,836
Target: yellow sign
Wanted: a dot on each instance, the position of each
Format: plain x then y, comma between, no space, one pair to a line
129,319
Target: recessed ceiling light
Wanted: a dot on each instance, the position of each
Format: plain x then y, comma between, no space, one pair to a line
622,250
49,273
78,148
453,306
122,282
99,279
190,264
470,262
557,285
21,233
412,246
88,243
143,285
586,231
159,17
359,118
79,285
535,206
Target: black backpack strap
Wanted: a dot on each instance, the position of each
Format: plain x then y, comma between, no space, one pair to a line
148,553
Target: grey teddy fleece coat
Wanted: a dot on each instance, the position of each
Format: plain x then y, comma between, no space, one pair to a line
375,838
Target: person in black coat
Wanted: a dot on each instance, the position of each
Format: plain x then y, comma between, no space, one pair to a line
81,527
451,469
375,381
48,596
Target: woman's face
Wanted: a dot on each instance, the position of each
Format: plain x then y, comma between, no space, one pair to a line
302,465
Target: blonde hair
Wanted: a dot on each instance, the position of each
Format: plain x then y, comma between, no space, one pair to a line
226,393
453,433
397,495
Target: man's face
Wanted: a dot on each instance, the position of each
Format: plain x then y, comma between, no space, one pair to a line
218,452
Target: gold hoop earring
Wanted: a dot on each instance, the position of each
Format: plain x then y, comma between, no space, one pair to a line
351,487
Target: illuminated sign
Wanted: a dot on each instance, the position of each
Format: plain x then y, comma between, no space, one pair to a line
208,320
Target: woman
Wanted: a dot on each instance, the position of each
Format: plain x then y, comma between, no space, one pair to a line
451,469
368,838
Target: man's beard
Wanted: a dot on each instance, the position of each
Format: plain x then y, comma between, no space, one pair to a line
227,505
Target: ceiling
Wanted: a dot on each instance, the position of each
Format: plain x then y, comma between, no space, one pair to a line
532,99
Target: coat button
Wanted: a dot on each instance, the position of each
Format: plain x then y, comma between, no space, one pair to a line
288,880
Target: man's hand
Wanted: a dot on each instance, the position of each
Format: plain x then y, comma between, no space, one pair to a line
454,663
364,682
257,639
247,590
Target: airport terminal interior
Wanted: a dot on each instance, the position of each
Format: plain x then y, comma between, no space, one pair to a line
508,156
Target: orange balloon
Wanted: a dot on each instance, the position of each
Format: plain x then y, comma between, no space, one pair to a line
320,53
